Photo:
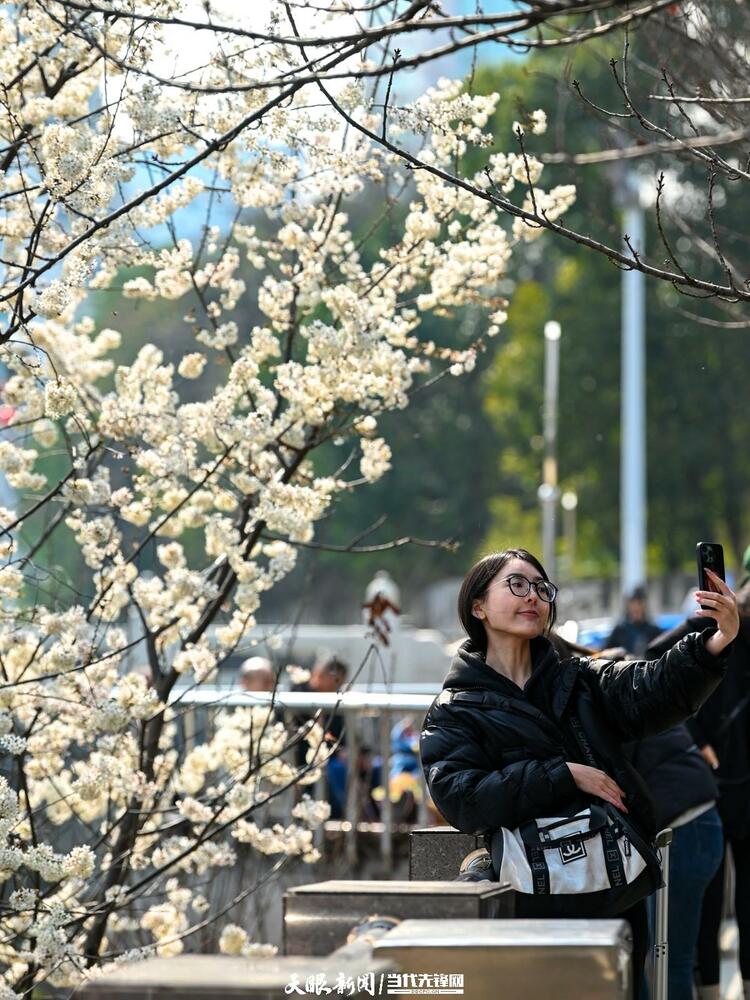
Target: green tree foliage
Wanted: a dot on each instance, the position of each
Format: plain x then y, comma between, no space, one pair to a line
697,431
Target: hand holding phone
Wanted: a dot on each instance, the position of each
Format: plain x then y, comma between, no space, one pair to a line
716,599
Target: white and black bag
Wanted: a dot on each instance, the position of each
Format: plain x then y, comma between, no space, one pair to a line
591,862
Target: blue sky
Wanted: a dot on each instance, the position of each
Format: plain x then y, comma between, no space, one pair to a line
459,64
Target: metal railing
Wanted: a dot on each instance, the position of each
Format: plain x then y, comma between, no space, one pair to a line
373,710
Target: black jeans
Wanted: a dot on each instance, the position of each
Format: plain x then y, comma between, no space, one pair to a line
637,917
708,940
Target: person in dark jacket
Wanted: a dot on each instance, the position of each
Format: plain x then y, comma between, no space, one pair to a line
721,729
635,631
491,764
328,676
684,790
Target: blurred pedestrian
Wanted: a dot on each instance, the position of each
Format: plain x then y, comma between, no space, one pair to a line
328,676
256,674
634,631
721,729
685,793
404,787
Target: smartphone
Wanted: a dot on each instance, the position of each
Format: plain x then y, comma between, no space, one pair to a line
710,556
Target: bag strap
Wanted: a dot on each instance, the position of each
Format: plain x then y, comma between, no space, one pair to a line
613,859
739,707
533,836
484,698
539,871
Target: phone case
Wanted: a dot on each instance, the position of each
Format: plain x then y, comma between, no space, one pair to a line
710,556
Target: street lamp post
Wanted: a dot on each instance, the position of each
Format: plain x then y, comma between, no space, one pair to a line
548,491
633,398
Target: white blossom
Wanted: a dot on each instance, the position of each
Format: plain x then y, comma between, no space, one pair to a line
80,862
24,899
12,744
538,121
53,300
311,812
233,940
376,458
192,365
60,398
195,811
297,674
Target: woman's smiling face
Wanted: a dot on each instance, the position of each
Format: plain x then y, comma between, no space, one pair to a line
500,609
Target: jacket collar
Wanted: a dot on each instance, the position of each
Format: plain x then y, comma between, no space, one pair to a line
548,689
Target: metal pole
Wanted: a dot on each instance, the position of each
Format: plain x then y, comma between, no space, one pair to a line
351,809
320,791
548,491
661,930
386,812
633,403
287,799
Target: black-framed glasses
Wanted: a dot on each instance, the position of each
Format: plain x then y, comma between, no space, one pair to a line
519,586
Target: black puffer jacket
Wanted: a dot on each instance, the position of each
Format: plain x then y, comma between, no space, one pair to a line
675,772
724,723
490,764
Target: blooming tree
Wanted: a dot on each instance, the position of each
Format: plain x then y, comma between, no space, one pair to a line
102,155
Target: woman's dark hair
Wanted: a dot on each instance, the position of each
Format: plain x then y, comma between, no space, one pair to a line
475,585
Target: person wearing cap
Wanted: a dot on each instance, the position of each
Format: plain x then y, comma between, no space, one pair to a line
256,674
635,631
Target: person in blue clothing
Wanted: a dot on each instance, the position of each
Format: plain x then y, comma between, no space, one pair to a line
403,785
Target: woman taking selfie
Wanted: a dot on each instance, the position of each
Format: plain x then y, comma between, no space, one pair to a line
519,735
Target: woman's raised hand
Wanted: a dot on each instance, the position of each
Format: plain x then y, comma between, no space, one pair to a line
595,782
722,607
